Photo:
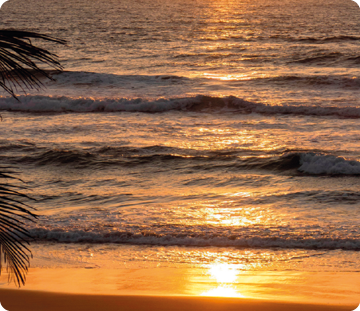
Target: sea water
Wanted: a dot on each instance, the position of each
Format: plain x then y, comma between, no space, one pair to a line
192,132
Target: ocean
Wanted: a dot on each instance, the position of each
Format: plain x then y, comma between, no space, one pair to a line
192,132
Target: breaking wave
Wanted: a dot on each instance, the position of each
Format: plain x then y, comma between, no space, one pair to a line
195,239
200,103
302,161
316,164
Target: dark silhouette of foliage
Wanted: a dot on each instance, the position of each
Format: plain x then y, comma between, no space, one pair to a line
13,237
19,60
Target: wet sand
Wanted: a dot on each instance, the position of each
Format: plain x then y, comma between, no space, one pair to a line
187,289
19,300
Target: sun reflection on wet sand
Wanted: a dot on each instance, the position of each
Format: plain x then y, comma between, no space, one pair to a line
223,291
223,273
225,276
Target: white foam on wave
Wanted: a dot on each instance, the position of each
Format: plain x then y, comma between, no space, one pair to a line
80,236
317,164
41,103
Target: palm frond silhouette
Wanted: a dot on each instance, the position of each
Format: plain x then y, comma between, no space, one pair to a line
13,237
19,67
19,60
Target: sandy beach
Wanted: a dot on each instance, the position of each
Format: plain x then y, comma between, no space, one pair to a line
14,300
178,289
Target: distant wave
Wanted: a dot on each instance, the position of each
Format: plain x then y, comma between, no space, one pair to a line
355,59
316,80
96,86
326,58
319,58
148,237
81,78
198,103
323,39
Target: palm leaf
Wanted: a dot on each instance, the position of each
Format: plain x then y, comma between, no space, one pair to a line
13,237
19,60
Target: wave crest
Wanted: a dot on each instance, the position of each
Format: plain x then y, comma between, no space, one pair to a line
198,103
307,162
318,164
153,238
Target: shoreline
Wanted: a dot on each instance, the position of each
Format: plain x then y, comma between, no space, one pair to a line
19,300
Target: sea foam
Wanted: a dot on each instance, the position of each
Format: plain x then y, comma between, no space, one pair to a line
152,238
200,103
316,164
